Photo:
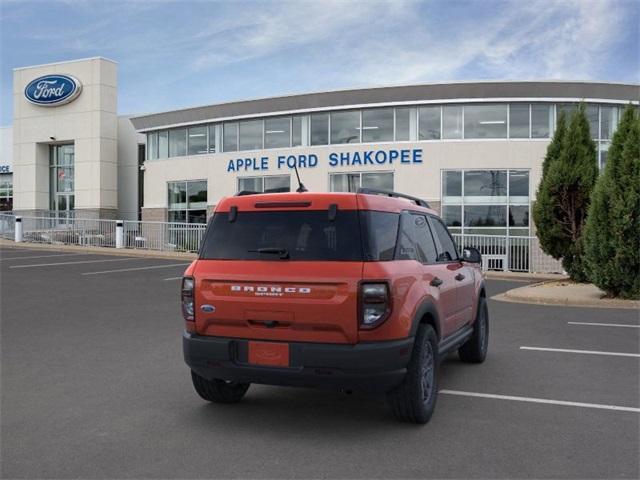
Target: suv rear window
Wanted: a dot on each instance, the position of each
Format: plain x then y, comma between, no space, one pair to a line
304,235
380,241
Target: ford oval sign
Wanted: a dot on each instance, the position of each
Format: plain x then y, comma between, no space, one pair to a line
53,90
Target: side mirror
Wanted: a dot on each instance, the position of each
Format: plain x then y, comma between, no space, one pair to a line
471,255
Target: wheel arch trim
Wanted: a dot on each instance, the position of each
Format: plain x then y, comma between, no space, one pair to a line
426,308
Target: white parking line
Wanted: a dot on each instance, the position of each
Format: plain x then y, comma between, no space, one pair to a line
138,268
588,352
128,259
622,325
172,278
41,256
541,400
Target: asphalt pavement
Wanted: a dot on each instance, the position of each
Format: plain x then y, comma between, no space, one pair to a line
94,386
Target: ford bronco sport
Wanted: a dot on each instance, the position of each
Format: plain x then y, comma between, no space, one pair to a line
353,291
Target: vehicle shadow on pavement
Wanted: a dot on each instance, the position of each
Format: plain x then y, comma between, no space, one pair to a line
298,410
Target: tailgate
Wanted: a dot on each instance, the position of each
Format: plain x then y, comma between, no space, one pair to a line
302,301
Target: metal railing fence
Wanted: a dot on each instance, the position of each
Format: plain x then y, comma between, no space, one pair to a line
517,254
163,236
7,226
69,231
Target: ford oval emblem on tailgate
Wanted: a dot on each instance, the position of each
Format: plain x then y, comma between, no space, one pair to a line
208,308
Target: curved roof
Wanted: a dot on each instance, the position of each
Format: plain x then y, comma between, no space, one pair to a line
408,94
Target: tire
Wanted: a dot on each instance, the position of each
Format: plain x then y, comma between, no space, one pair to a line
414,400
218,391
474,350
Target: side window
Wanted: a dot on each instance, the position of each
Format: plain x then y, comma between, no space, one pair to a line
407,239
425,244
415,241
447,251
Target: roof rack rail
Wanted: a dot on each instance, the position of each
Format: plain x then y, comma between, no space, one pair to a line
242,193
389,193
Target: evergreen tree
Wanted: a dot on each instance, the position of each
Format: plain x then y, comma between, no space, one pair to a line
548,231
555,147
612,242
563,197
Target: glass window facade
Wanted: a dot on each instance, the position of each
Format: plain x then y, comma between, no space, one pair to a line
251,135
178,142
270,184
296,131
345,127
350,182
452,185
403,124
277,132
592,112
488,202
377,125
608,122
230,137
385,124
482,186
541,120
344,182
152,146
452,121
197,140
212,138
319,129
61,179
519,120
163,144
429,123
187,201
485,121
6,192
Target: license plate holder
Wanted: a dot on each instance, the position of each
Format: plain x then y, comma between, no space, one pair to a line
269,354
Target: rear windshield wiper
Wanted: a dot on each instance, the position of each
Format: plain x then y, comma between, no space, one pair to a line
283,252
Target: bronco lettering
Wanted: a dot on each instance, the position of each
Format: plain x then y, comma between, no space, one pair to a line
269,289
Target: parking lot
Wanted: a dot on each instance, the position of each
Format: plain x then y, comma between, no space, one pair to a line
94,386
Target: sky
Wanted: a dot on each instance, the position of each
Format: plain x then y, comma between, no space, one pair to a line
176,54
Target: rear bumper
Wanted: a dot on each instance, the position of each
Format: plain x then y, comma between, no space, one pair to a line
370,367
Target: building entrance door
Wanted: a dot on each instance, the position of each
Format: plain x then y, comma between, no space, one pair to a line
61,183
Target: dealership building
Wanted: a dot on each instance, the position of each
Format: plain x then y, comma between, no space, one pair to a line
473,150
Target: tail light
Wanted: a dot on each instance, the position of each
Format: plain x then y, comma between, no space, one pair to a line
187,299
375,304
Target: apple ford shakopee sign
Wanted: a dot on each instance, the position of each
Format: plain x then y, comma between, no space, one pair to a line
53,90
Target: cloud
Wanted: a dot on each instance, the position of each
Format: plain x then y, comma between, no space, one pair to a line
407,42
236,49
256,31
527,40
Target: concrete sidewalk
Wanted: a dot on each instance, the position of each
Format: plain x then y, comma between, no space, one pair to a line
128,252
565,292
523,276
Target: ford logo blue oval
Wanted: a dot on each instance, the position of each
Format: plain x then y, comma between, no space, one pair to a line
208,308
53,90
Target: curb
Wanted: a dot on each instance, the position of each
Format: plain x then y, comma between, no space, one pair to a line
125,252
513,296
524,276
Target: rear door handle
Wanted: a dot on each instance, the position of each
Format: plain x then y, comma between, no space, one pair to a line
459,277
436,282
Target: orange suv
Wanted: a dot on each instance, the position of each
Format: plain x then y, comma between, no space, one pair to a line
352,291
